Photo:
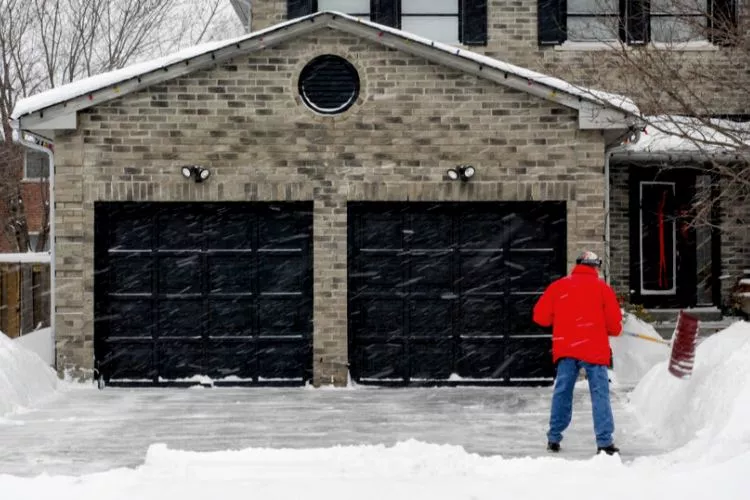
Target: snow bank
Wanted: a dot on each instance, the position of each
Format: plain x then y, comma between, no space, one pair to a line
634,356
39,342
409,470
25,379
710,412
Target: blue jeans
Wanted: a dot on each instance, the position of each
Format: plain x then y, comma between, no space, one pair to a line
562,400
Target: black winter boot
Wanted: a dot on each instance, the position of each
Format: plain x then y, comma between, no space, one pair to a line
609,450
553,447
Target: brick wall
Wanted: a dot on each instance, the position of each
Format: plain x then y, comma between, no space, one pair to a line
512,31
244,120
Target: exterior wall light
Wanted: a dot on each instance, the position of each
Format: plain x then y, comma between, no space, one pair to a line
463,172
198,173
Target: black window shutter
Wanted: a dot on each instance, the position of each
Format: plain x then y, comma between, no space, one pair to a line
386,12
299,8
473,22
551,18
638,26
723,21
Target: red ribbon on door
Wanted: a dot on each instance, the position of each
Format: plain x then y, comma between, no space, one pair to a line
662,281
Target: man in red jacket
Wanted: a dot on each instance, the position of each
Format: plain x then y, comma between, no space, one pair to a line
583,312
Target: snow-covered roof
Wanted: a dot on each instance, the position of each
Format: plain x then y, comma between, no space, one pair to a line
674,134
100,88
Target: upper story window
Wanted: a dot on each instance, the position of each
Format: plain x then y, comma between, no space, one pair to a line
434,19
636,21
35,165
358,8
448,21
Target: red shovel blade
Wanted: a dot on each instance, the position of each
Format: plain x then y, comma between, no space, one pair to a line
684,340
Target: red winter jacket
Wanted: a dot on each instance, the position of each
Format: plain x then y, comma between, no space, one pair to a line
582,310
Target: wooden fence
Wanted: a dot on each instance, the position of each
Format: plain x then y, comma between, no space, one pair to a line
24,298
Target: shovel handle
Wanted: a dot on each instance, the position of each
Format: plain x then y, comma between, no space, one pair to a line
645,337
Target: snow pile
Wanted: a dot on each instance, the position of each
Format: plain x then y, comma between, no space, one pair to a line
710,412
638,349
406,471
25,379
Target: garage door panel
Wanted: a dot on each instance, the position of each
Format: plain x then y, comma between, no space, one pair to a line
520,312
378,317
427,270
131,230
530,358
431,361
129,360
482,231
533,228
282,230
180,228
230,359
380,231
482,359
231,317
531,271
230,229
468,275
381,361
283,315
225,277
483,272
432,318
131,273
482,316
430,231
282,361
374,270
282,273
180,360
130,318
177,273
181,318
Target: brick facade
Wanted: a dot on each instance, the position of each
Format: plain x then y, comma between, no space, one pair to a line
245,121
512,37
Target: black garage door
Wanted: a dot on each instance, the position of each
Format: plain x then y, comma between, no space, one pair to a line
443,292
202,289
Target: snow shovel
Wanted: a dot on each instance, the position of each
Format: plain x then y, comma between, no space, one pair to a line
684,340
646,337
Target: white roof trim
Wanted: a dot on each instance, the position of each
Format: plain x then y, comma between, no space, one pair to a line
36,111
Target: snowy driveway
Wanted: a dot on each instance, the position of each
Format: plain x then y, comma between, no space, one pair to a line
87,430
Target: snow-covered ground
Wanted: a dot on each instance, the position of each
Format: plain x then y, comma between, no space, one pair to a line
702,425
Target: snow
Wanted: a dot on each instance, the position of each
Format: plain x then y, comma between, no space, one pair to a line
704,417
681,134
39,342
25,379
708,413
634,357
88,85
25,258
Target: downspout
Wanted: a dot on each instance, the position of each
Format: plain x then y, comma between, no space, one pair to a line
607,252
18,136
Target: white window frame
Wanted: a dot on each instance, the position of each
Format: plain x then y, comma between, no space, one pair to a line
26,176
673,290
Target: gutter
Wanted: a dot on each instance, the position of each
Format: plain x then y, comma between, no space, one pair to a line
19,136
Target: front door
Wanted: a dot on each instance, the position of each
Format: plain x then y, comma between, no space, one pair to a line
663,238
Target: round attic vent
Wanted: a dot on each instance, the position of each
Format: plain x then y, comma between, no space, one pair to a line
329,84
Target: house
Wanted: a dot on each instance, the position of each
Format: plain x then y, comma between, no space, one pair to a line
32,181
331,196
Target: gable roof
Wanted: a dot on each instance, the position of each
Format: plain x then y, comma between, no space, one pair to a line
56,108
